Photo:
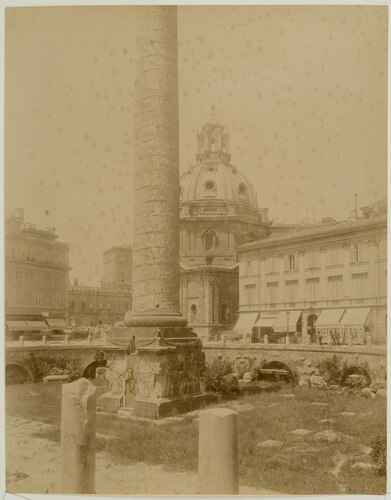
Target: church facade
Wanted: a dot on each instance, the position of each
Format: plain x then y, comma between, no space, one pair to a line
218,212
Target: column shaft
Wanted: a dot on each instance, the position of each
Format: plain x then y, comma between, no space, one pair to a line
156,163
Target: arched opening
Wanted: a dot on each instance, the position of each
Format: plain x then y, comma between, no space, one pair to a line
99,360
193,313
210,240
355,371
243,191
276,371
17,374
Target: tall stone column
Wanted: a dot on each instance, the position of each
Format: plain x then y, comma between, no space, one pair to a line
156,172
171,358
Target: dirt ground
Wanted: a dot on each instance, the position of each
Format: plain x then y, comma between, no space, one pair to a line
28,473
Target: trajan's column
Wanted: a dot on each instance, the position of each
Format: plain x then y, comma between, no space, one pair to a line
170,354
156,172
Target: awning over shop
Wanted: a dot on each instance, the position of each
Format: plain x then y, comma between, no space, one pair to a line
265,322
246,321
355,316
37,325
285,321
56,323
329,317
16,325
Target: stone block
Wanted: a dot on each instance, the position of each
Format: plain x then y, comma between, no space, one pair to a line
318,381
110,402
381,393
366,392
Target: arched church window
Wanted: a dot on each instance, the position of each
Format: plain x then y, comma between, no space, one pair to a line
243,190
210,240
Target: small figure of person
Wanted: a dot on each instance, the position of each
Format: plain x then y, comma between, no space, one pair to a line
319,336
335,336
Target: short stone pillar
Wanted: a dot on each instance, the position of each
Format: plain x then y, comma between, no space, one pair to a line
21,340
369,340
286,339
266,339
66,339
350,339
44,338
218,459
90,339
78,437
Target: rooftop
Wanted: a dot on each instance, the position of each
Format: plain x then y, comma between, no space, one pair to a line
327,226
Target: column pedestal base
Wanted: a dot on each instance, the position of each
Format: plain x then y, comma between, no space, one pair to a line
169,407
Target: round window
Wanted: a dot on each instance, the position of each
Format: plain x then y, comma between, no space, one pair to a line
209,185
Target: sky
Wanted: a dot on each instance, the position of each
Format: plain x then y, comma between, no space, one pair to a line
301,89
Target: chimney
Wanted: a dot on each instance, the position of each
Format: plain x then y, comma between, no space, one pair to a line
19,214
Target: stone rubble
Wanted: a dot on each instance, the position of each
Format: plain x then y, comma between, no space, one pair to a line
301,432
363,466
270,443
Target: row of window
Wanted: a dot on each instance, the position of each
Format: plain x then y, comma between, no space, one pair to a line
37,280
35,298
312,259
91,306
37,254
335,289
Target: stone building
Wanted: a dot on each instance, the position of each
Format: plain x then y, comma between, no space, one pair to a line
36,273
312,279
117,267
89,305
218,212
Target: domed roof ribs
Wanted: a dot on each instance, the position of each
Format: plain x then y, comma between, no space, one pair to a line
229,186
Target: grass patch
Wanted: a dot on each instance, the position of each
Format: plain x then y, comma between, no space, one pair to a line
301,466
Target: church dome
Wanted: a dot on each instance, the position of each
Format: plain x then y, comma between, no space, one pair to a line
213,177
216,181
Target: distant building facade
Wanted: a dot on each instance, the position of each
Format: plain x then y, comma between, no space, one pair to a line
313,280
117,267
36,271
89,306
218,212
